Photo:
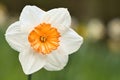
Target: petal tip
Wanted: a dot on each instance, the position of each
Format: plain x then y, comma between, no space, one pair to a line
29,6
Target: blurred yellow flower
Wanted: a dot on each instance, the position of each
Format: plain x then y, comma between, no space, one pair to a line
44,39
114,46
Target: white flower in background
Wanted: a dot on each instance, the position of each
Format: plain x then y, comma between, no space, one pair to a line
3,15
114,29
44,39
96,29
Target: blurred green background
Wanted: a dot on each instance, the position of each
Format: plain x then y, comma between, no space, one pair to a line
98,21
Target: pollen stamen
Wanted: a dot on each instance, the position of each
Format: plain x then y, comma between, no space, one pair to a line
43,39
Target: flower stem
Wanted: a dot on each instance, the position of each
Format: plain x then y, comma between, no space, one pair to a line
30,77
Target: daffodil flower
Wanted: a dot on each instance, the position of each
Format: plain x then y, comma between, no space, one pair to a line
43,38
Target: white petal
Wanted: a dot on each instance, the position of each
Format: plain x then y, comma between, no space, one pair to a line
30,17
16,39
59,18
31,61
56,61
70,41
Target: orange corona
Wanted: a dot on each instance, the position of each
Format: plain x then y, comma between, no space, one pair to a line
44,38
